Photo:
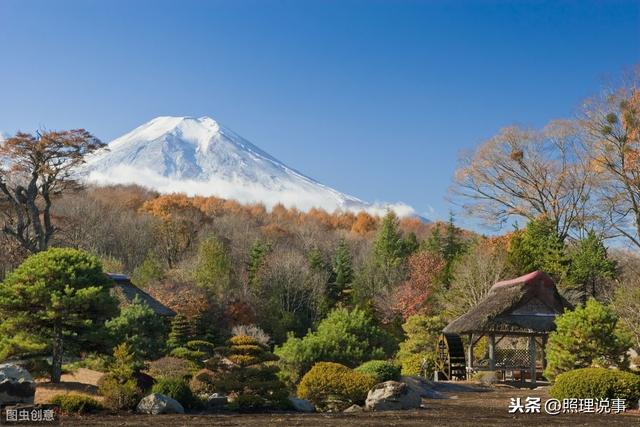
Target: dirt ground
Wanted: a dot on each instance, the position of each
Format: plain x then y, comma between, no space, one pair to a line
83,381
488,407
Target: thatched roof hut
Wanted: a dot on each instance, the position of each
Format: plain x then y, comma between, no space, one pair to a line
125,292
526,308
528,304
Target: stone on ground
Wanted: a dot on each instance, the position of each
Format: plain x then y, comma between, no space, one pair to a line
302,405
16,385
392,395
216,400
354,408
156,403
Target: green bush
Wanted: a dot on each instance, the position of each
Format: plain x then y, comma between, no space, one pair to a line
347,337
587,336
418,364
75,403
597,383
381,370
93,361
332,386
119,394
176,388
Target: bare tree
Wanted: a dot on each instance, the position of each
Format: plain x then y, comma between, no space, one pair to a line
33,171
527,174
612,127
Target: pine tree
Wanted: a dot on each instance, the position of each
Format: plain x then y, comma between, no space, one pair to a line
251,376
259,250
538,247
316,260
342,271
590,265
181,332
57,301
388,248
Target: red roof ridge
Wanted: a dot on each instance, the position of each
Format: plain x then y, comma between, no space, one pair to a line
522,279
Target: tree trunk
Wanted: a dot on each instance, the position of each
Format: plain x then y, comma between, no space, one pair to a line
56,363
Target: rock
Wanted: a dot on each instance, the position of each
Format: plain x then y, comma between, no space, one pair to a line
156,403
423,387
302,405
217,400
354,408
16,385
392,395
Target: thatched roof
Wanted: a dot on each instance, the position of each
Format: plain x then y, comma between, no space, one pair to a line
527,304
125,292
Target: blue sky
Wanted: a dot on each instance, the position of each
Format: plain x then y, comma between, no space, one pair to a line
374,98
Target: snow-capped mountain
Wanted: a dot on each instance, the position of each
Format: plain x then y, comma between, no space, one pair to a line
198,156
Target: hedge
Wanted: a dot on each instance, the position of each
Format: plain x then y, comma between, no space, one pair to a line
597,383
381,370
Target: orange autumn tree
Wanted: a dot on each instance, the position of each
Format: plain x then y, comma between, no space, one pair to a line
414,295
179,221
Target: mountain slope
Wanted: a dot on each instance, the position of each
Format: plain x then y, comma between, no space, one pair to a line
197,156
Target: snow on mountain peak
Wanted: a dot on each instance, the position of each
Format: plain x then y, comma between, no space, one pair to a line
198,156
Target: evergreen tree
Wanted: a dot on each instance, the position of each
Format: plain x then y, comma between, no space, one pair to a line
56,301
316,260
141,328
251,376
538,247
450,247
203,328
587,336
410,244
181,332
388,248
590,265
342,271
213,266
259,250
150,270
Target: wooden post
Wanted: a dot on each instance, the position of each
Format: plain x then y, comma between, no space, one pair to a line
532,358
492,352
470,352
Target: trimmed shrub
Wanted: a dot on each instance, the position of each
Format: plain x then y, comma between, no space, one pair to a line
171,367
381,370
251,377
332,386
176,388
597,383
75,403
203,382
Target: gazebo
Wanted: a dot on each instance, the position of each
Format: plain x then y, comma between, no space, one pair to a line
516,316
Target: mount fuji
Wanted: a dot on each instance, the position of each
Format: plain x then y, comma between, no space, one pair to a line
198,156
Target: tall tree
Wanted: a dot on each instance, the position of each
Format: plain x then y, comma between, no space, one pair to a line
539,247
590,266
612,127
213,266
57,301
259,250
342,271
33,171
522,173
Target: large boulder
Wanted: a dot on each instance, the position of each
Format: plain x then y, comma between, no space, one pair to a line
302,405
16,385
157,403
392,395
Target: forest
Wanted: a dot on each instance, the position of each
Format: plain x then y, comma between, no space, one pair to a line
296,289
